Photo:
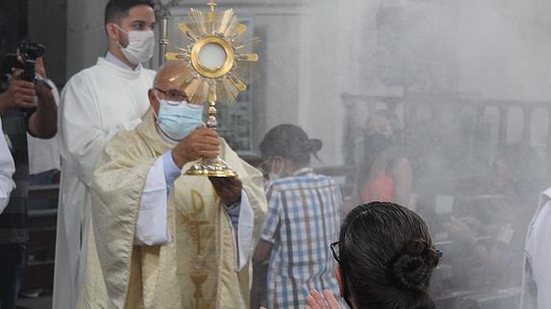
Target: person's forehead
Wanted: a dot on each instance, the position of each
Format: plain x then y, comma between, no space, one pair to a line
140,13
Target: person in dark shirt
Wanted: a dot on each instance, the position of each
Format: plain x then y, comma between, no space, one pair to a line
25,107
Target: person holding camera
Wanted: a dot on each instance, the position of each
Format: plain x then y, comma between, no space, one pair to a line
96,103
27,105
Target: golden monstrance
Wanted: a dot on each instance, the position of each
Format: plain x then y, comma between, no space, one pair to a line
215,53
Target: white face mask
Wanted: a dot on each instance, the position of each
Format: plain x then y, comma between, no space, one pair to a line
140,46
275,175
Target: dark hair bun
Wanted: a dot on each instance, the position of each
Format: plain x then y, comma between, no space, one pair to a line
411,269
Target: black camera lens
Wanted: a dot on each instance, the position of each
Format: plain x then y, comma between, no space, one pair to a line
31,50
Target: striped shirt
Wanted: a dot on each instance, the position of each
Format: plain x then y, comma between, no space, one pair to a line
304,215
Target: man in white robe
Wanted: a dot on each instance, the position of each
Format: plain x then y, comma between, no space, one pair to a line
96,103
167,240
536,279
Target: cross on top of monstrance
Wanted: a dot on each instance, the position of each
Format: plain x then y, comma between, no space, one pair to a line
220,68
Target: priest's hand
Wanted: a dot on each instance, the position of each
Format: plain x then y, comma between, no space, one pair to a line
228,189
201,143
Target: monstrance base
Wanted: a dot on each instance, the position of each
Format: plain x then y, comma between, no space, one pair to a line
211,167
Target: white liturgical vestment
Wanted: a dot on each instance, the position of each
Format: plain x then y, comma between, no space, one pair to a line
152,223
95,104
203,264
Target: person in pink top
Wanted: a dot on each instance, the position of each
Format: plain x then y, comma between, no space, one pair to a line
384,174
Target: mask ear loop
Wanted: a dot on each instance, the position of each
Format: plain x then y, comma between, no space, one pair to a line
157,118
158,100
271,170
155,115
117,28
159,129
282,166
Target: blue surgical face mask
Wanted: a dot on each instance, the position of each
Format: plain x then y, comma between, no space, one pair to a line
177,119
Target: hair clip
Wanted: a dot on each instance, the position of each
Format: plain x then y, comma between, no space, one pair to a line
439,253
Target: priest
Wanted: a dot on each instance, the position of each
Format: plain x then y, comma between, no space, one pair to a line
167,240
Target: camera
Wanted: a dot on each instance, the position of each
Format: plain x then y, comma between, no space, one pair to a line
29,52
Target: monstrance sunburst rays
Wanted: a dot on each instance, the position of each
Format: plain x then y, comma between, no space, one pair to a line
224,81
220,68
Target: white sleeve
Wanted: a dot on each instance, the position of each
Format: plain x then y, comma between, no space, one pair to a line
539,248
82,138
244,231
151,227
44,154
54,90
7,168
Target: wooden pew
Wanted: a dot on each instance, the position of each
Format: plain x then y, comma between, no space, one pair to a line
41,226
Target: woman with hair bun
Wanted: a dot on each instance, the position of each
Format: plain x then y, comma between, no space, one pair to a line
385,260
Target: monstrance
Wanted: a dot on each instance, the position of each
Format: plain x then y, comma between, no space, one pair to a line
220,68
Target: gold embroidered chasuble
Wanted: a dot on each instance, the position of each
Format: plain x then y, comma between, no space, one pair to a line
198,269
